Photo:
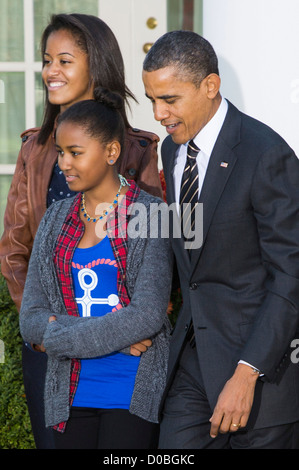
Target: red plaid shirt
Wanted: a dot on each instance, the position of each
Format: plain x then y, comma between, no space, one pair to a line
68,239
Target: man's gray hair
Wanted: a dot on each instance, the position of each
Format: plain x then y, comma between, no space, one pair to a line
193,56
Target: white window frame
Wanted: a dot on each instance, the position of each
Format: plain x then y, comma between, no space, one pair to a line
29,66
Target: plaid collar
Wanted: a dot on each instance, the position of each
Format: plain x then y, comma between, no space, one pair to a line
67,241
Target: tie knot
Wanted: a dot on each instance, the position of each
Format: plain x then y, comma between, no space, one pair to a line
192,149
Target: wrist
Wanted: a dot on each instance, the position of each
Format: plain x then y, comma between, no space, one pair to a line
255,370
248,371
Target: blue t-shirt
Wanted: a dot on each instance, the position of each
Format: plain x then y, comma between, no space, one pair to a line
106,381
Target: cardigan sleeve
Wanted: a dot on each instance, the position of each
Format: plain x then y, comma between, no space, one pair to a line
35,311
38,302
72,336
142,318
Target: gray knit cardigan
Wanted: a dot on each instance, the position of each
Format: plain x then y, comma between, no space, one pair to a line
148,282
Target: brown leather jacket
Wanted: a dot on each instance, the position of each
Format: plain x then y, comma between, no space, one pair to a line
27,196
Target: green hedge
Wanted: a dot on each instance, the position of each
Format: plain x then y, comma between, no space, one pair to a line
15,428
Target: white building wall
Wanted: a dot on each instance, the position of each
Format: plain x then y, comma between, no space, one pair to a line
257,42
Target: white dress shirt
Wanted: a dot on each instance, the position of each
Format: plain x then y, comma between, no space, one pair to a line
205,141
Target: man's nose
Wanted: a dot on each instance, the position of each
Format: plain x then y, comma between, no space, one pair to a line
161,111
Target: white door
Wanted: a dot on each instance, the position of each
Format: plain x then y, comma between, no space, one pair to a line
137,24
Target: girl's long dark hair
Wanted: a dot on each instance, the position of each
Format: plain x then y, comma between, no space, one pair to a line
106,65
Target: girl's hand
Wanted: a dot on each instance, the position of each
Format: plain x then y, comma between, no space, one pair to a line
41,347
138,348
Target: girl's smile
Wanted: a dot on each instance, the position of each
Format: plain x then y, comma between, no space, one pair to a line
65,70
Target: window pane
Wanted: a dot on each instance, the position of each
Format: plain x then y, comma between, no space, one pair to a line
174,15
39,99
44,10
197,18
184,14
12,115
11,31
5,182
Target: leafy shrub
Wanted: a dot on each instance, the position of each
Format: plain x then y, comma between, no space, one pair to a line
15,427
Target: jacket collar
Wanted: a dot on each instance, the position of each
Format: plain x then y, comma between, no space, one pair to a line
221,164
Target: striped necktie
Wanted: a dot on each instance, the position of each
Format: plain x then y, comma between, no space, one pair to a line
189,191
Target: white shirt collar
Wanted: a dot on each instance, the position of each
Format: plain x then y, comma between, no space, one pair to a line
206,138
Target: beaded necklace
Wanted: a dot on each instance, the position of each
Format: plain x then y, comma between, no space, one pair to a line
123,182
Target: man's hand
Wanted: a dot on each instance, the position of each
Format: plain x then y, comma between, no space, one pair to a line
234,404
138,348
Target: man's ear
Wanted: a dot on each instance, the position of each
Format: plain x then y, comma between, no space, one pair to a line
213,83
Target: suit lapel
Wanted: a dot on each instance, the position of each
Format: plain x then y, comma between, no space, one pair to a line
220,167
169,152
214,183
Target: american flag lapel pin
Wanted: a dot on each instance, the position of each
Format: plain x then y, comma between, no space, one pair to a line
224,164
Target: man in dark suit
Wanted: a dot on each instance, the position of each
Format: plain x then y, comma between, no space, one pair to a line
231,380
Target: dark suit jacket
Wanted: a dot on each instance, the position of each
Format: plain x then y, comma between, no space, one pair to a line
241,287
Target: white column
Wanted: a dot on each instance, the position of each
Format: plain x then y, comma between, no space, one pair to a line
257,42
